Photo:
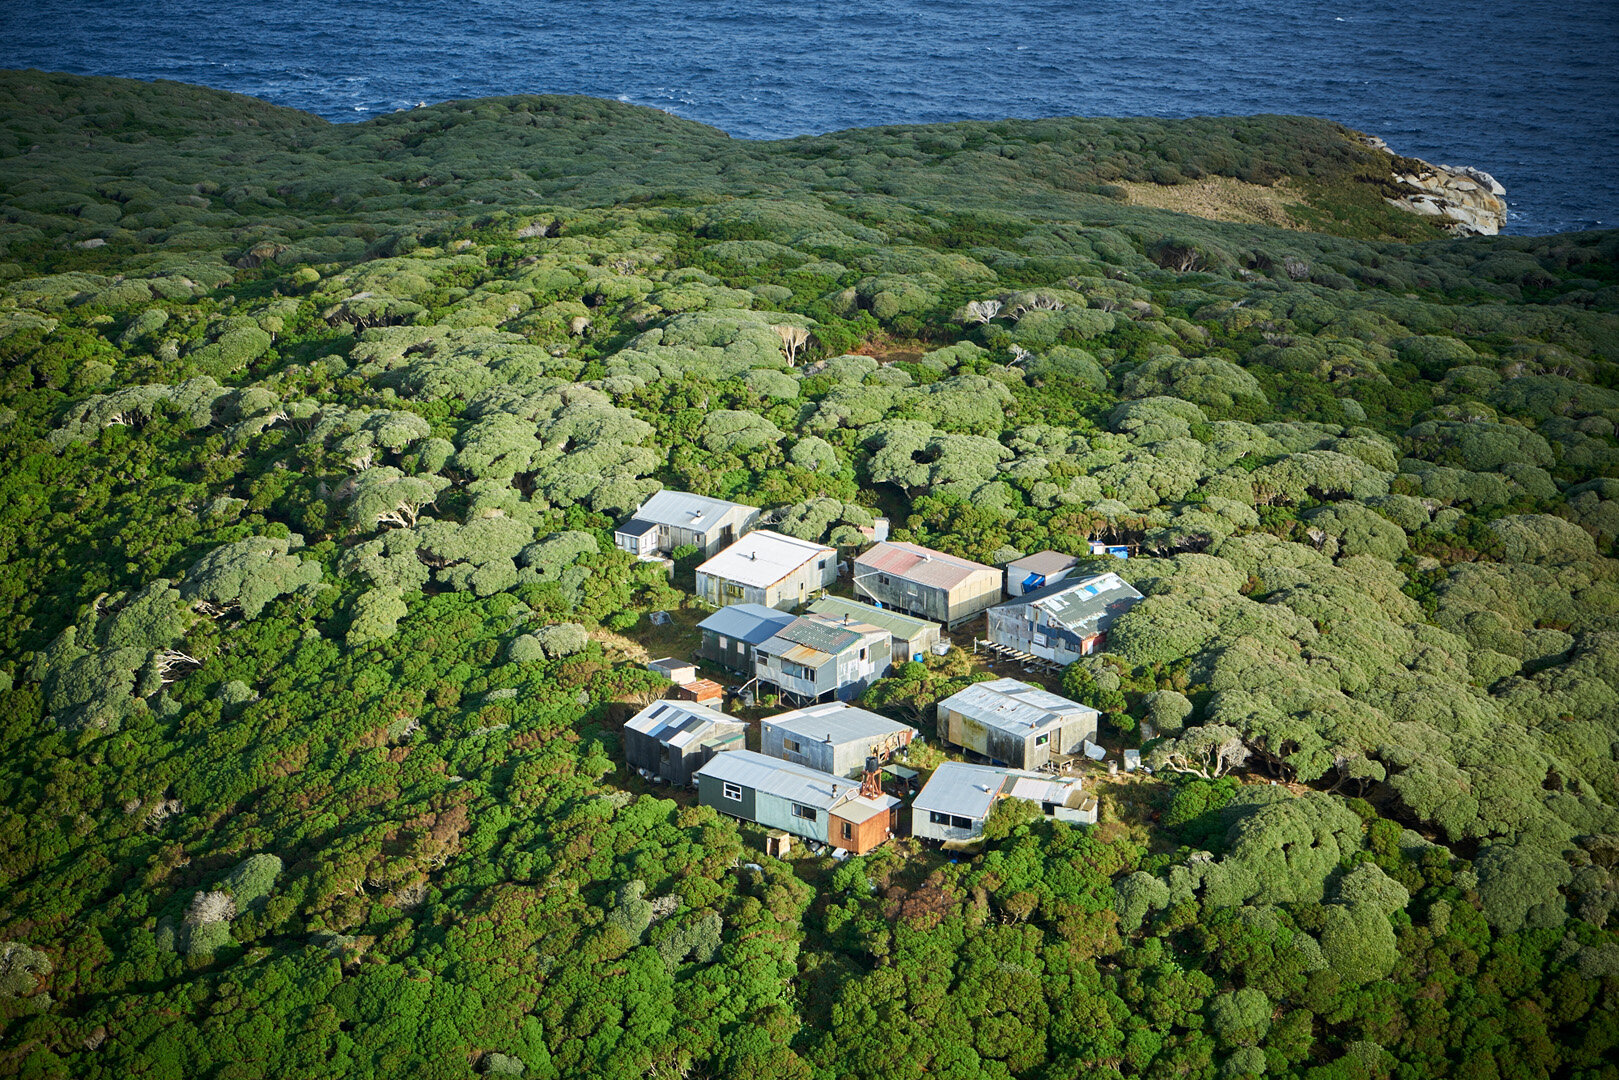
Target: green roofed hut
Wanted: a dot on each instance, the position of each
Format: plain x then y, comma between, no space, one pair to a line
912,637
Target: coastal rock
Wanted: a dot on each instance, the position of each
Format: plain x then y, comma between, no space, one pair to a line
1468,198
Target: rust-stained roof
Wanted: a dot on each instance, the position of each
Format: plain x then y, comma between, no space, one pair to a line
919,564
804,654
813,640
702,690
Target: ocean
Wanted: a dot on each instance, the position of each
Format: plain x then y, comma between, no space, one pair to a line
1527,91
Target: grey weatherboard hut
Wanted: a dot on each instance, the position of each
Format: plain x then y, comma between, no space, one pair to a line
672,519
797,799
731,634
926,583
671,740
833,737
957,799
1064,621
767,568
1014,723
815,657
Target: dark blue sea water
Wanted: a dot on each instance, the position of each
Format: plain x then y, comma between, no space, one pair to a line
1527,90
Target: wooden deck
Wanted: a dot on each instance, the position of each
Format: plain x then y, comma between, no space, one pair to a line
993,652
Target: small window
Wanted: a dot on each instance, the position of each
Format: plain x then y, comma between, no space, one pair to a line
821,565
936,818
808,813
792,745
725,642
731,791
862,654
882,579
961,822
848,831
1041,740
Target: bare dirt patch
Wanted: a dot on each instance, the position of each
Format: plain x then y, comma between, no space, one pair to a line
1221,199
889,352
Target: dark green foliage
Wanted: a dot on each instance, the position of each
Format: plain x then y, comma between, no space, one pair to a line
315,647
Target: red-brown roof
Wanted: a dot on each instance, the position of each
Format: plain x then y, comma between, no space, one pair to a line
701,690
921,565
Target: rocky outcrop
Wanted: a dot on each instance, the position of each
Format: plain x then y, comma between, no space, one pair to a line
1468,199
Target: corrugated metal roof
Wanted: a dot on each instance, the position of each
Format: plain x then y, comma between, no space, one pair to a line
958,788
970,790
1086,607
1059,792
684,510
751,623
1013,706
860,809
678,723
800,654
1041,562
636,527
919,564
842,723
900,626
829,634
763,558
783,779
703,689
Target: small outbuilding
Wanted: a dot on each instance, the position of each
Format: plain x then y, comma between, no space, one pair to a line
912,638
703,691
958,798
852,815
731,634
671,740
676,671
1015,723
816,657
769,569
672,519
1065,621
1036,571
834,737
926,583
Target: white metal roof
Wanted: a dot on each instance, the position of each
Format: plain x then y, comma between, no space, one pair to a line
1046,789
1013,706
964,790
685,510
971,790
860,809
837,723
763,558
677,723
